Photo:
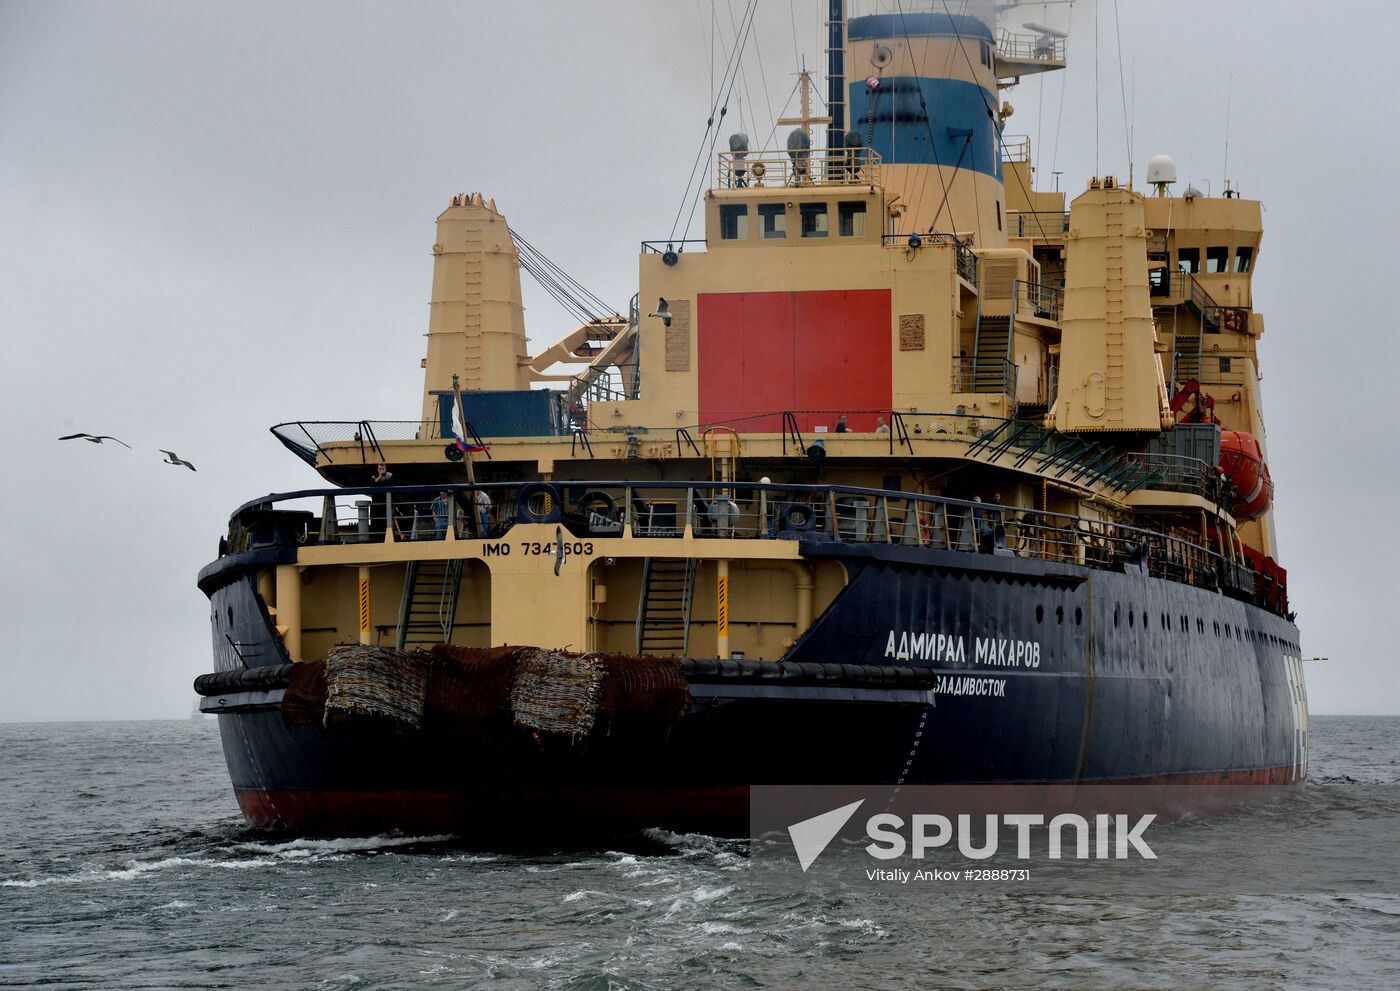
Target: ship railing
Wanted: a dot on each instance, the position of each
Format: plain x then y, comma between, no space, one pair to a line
679,247
965,258
1030,47
601,384
1016,148
996,376
1177,473
1037,224
731,510
1168,286
1037,299
309,439
809,167
1022,444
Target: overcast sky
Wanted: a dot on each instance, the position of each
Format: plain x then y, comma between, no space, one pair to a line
217,217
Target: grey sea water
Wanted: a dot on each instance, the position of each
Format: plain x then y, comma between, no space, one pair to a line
124,864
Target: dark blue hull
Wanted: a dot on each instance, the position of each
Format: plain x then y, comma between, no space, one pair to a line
1040,673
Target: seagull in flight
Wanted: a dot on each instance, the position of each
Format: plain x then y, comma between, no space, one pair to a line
95,439
662,311
171,458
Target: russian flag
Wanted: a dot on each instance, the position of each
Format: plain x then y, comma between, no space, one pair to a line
466,448
459,422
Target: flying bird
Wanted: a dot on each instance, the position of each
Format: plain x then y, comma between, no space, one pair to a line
171,458
95,439
663,311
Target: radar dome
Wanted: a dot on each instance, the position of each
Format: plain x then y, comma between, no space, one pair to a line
1161,169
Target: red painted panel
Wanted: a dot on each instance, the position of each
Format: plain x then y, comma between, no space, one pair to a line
762,354
843,356
819,354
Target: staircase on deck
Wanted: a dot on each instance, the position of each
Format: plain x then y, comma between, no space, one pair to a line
663,614
428,609
990,367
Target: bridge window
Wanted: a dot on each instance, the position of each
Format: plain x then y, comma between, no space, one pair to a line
852,219
1224,364
734,222
772,218
1217,259
814,220
1244,257
1188,260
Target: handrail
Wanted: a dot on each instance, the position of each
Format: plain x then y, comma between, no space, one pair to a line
1043,300
747,510
965,257
797,167
321,433
1179,283
791,430
1037,223
1030,47
1177,473
661,247
1016,148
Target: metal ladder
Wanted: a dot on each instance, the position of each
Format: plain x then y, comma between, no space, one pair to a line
991,356
663,614
428,609
1186,348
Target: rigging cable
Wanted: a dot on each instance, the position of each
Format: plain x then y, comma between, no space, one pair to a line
1001,140
567,291
762,75
1123,88
1060,114
709,126
928,127
739,44
746,94
796,55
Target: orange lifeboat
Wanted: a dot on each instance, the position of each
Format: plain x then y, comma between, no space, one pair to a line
1242,461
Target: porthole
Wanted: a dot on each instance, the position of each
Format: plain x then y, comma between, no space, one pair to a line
1115,616
1060,615
1078,616
1040,614
230,617
1132,617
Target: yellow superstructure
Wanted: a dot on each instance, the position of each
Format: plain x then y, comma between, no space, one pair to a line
933,326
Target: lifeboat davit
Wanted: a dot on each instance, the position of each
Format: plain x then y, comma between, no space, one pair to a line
1242,461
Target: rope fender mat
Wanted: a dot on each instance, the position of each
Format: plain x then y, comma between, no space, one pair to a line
692,671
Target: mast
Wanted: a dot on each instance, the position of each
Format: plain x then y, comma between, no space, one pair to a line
836,73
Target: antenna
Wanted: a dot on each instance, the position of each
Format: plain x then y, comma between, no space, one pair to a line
805,120
1229,96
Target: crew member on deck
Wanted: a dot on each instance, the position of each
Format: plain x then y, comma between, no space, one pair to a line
442,513
482,500
378,515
